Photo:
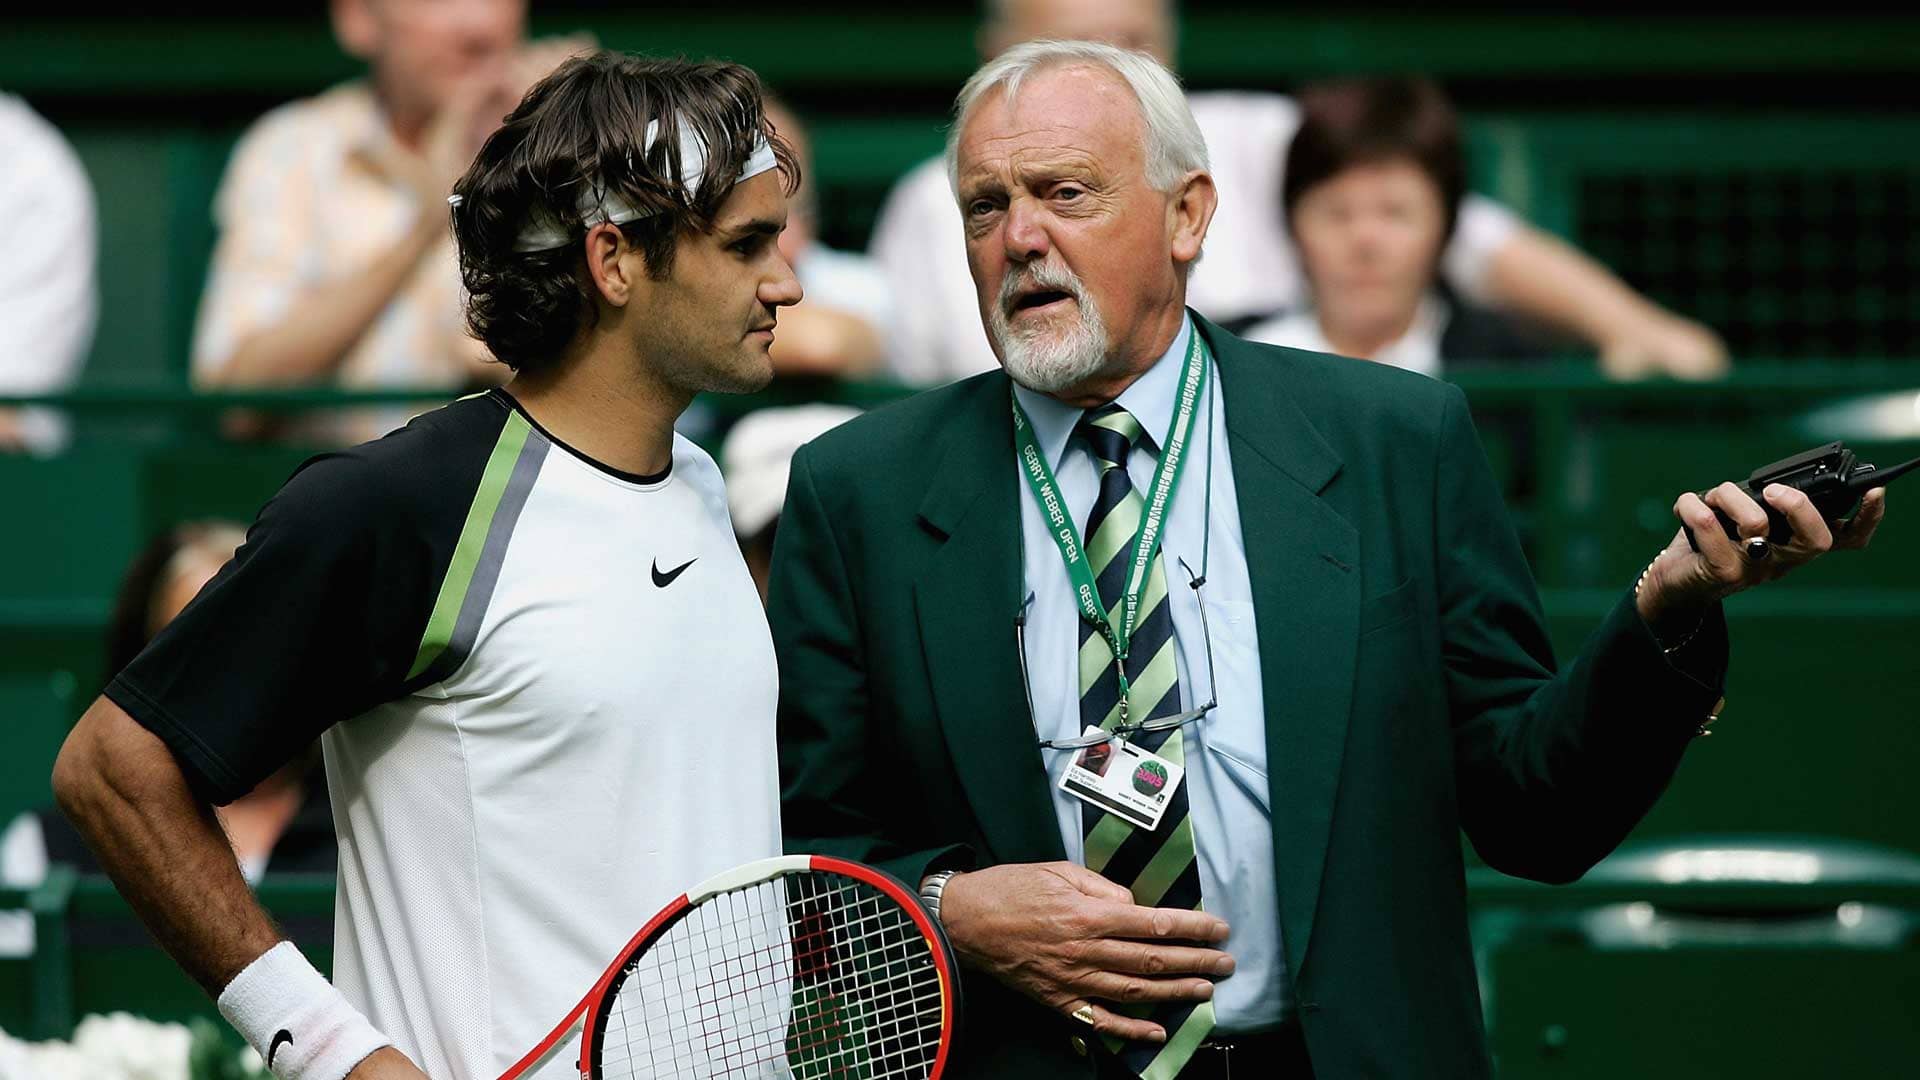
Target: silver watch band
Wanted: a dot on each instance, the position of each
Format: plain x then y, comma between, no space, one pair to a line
930,889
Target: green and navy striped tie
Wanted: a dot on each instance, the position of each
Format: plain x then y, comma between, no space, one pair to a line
1159,867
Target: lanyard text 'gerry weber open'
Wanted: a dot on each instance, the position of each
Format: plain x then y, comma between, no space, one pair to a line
1046,495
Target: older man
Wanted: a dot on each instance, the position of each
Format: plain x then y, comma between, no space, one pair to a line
1280,586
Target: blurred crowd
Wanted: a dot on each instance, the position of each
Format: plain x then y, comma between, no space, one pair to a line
1345,225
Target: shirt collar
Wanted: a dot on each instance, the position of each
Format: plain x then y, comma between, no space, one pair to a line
1416,350
1419,348
1149,398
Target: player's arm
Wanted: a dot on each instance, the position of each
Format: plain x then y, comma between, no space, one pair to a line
124,791
121,787
313,621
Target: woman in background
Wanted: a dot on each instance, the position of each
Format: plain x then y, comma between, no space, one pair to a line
1374,181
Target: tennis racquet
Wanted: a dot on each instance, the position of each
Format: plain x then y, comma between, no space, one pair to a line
804,966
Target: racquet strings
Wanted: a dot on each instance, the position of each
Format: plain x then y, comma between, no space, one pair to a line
811,975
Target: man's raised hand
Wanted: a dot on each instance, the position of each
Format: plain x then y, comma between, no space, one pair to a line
1684,581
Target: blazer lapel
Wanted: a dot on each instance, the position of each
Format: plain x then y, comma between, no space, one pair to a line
1303,560
965,601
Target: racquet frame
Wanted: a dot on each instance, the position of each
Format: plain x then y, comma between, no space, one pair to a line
578,1019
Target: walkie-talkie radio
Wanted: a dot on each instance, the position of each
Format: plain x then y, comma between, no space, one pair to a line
1830,476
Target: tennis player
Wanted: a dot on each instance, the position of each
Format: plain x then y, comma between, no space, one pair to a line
520,625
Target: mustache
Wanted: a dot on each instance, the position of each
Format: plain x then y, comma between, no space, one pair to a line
1046,274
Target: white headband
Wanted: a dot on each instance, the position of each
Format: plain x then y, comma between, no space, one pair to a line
596,205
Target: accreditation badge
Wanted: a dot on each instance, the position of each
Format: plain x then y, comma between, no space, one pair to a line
1130,782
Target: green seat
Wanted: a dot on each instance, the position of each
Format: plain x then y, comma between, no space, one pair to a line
1742,955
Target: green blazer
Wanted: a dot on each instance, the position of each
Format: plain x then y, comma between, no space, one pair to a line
1409,685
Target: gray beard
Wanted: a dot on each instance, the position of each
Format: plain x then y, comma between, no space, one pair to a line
1048,360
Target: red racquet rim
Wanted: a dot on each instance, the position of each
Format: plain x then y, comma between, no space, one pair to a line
589,1015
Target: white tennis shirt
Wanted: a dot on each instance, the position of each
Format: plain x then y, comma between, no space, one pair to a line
546,693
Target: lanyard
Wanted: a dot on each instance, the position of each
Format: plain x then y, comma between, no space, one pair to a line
1066,537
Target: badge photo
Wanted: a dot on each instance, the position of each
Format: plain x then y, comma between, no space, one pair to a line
1132,783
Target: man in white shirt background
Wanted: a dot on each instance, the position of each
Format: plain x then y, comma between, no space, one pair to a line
48,299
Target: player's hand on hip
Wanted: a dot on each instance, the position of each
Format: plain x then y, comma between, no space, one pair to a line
386,1064
1684,581
1076,942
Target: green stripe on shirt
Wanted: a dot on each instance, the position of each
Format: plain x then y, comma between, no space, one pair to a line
473,540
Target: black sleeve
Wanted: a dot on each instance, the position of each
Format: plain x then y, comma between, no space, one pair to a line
315,620
1553,769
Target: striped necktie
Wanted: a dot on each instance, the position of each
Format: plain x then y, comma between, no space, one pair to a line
1159,867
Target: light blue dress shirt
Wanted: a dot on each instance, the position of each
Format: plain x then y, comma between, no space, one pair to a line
1226,753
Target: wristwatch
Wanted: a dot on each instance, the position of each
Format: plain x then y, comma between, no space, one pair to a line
931,887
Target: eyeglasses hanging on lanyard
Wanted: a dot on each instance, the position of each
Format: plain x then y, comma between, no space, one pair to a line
1052,507
1122,731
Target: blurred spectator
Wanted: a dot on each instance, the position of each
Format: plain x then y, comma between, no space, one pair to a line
47,297
1249,271
284,825
335,264
755,458
839,328
1374,182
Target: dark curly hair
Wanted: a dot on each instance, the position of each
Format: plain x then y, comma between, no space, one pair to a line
584,128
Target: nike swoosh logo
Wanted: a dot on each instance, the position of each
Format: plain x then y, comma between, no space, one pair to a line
666,579
281,1036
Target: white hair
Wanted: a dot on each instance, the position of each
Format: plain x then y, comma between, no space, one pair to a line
1174,145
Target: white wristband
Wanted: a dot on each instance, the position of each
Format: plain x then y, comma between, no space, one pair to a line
303,1027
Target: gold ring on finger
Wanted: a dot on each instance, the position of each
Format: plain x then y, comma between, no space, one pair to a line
1084,1014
